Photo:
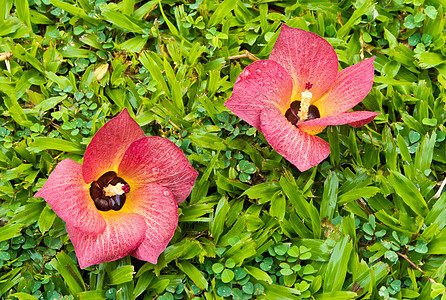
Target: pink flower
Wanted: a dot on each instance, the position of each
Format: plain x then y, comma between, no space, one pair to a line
124,198
297,92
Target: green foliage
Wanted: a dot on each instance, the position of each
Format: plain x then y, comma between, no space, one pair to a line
366,223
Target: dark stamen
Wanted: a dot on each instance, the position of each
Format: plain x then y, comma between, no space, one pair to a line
106,178
292,112
313,113
97,193
291,116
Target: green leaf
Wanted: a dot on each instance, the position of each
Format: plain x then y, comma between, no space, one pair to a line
175,87
315,221
293,251
363,9
389,149
75,52
217,268
24,296
217,225
425,152
409,193
403,148
200,189
46,143
227,276
22,10
247,167
76,11
10,279
430,59
414,39
409,22
92,295
296,197
258,274
70,273
172,28
336,295
419,18
248,288
49,103
38,18
29,214
128,7
437,289
61,81
16,111
46,219
194,274
263,191
121,20
437,214
337,265
9,231
333,139
330,196
135,44
426,39
377,271
148,60
354,194
230,263
413,123
121,275
224,291
431,12
390,38
277,292
240,274
286,272
222,10
278,205
144,9
143,282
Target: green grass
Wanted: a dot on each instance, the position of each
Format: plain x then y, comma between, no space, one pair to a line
367,223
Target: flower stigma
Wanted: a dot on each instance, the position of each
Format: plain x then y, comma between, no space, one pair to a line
305,102
112,190
126,188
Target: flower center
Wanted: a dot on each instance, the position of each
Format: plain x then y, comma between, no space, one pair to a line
108,192
301,111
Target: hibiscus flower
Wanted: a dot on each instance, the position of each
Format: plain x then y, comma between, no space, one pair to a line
124,198
297,92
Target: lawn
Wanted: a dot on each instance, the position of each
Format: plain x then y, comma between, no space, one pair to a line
366,221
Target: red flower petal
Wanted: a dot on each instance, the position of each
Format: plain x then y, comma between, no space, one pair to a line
109,144
307,57
160,210
262,84
350,88
69,197
124,232
300,148
354,118
157,160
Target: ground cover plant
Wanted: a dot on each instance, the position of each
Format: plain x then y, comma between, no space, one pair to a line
368,222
